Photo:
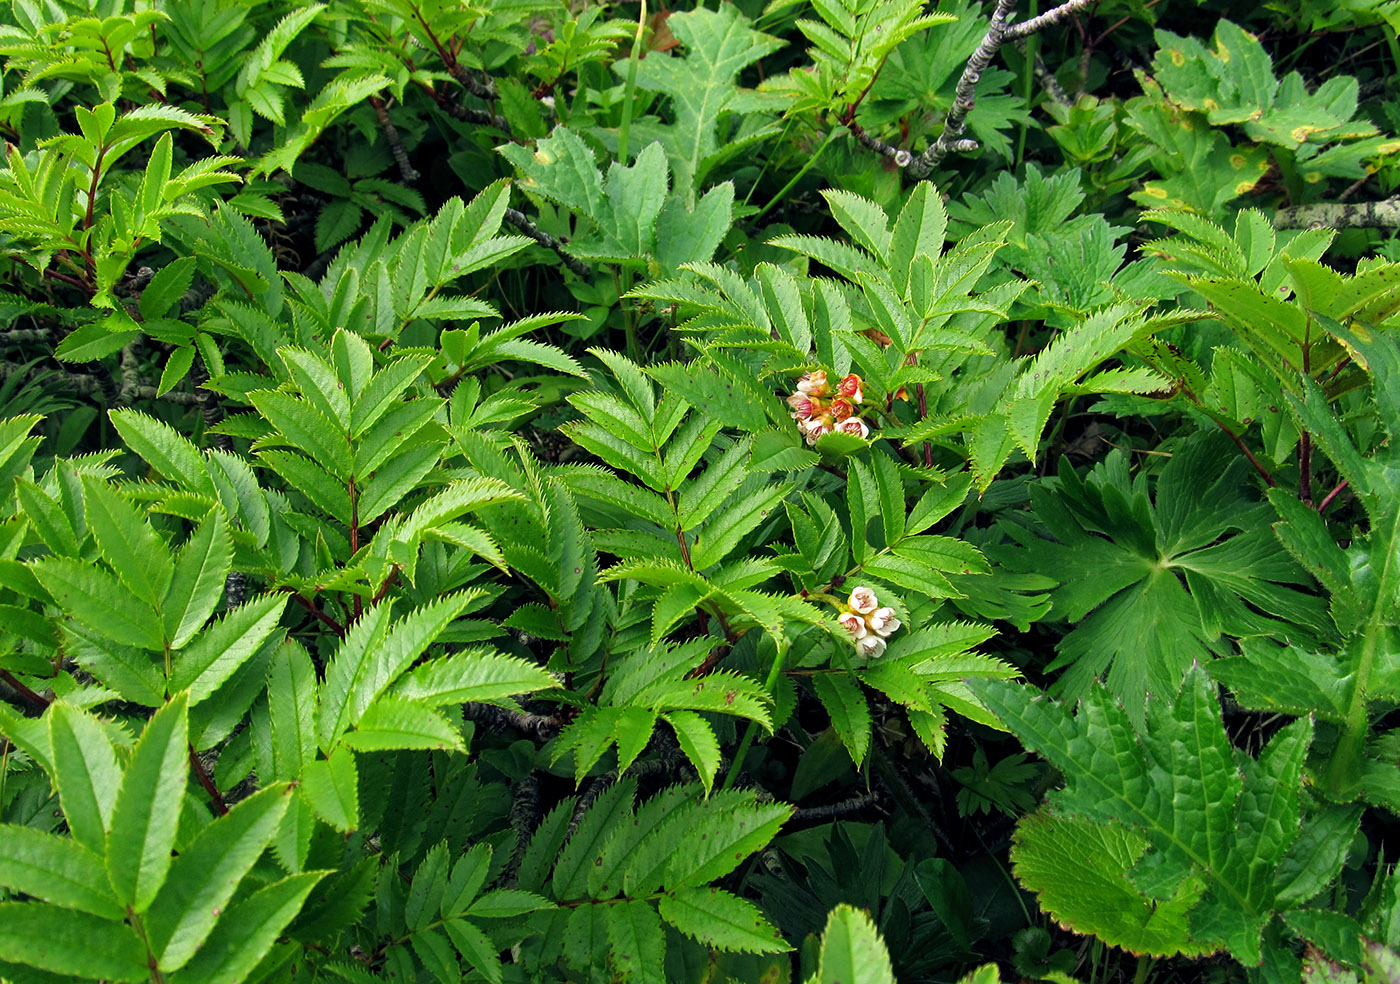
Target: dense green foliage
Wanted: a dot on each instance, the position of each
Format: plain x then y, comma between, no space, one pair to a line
839,491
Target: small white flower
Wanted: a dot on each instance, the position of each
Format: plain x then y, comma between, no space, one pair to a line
854,425
870,647
853,624
883,622
863,600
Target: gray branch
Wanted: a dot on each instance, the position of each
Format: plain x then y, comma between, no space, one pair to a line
1048,19
1338,215
522,222
26,336
900,156
82,384
966,96
391,134
483,88
999,32
536,726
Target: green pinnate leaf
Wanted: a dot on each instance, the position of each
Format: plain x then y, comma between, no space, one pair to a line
697,740
474,945
57,870
201,566
330,786
127,541
852,950
391,722
73,944
215,654
204,877
476,674
146,813
247,931
99,601
721,920
636,942
585,846
85,773
845,704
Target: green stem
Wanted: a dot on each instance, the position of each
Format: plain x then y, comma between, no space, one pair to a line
801,172
749,732
624,128
1344,770
1144,967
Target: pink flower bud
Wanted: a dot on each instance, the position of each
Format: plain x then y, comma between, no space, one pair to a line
870,647
815,428
841,408
850,388
854,425
883,621
862,600
801,405
813,383
853,624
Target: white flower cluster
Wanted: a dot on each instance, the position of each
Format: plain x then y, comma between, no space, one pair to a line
868,623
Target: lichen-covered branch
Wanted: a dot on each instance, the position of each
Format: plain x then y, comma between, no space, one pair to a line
1339,215
966,96
536,726
83,384
522,222
999,32
391,134
899,155
468,115
1048,19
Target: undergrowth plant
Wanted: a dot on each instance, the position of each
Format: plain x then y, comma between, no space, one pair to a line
848,492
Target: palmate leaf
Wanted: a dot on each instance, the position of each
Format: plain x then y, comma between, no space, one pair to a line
1208,813
1155,582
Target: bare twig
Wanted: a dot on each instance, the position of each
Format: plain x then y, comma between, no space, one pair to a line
1338,215
836,811
26,336
468,115
525,814
200,773
130,374
36,702
1046,78
999,32
536,726
522,222
966,96
899,155
83,384
1048,19
483,88
391,134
